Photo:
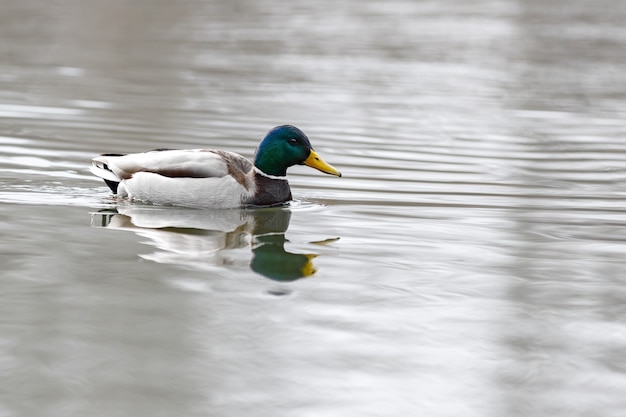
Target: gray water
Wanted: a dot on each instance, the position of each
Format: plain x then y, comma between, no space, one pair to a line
469,263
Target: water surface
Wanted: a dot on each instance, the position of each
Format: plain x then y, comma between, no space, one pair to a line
469,262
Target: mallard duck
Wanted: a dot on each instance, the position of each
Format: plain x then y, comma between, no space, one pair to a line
211,178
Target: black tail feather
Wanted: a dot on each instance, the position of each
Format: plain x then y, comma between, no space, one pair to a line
112,185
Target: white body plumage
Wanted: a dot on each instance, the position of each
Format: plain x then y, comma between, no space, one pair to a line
191,178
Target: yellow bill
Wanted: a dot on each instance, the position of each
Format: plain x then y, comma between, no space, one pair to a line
314,161
309,269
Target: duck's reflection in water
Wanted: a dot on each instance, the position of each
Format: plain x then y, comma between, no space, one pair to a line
203,238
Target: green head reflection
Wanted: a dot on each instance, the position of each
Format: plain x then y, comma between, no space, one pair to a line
270,258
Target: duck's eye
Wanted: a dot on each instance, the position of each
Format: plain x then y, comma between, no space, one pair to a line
293,141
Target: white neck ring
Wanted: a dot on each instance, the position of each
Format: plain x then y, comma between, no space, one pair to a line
273,177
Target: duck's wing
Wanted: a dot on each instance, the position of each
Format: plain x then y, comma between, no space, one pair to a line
189,163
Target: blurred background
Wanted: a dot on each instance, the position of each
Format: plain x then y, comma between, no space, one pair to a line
470,261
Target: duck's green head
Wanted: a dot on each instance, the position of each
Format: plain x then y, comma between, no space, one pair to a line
285,146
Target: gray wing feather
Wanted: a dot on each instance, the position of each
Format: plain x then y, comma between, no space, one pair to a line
193,163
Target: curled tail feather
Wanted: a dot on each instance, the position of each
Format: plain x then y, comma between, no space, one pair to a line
100,168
